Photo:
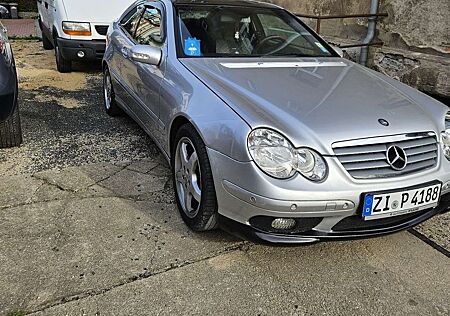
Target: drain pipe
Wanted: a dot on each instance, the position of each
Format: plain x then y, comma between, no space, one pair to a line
371,27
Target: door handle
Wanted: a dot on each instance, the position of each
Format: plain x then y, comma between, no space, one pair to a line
124,52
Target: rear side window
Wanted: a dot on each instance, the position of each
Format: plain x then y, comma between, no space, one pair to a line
149,29
130,21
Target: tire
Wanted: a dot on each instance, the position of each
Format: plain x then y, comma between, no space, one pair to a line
11,131
46,42
109,99
63,65
200,213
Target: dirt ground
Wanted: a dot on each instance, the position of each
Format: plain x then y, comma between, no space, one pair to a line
88,226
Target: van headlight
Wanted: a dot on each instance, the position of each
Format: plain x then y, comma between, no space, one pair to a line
276,156
446,137
77,28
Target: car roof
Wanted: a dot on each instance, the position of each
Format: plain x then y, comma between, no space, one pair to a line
243,3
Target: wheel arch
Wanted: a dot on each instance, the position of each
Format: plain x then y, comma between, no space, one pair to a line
216,134
177,122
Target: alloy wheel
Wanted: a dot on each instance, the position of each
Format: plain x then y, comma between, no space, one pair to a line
107,90
188,177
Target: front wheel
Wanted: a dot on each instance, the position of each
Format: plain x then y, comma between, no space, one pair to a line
193,181
63,65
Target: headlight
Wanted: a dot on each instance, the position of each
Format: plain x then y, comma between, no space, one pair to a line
446,137
77,28
275,155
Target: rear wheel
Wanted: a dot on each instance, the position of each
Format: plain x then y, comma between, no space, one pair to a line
46,42
62,64
109,97
193,181
11,131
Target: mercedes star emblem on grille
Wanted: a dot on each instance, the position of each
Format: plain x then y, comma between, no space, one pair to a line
396,158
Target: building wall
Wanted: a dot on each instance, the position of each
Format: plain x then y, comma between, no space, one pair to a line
416,36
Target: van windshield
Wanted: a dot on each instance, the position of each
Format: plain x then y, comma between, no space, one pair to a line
234,31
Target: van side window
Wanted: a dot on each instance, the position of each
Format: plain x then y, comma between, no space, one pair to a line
130,21
149,29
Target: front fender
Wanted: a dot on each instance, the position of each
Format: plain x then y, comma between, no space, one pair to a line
219,126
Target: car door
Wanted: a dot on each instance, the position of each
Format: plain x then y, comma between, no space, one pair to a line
120,65
146,79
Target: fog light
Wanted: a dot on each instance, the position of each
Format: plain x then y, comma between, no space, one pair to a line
81,54
283,223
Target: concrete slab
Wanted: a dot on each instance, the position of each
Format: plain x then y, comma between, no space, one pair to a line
136,184
18,190
78,178
345,278
59,250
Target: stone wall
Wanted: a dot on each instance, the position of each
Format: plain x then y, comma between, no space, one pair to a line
416,37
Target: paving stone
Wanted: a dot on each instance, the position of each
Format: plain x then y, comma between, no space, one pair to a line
132,184
54,250
143,166
18,189
78,178
342,278
437,229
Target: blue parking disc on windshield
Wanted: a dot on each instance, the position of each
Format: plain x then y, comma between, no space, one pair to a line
192,47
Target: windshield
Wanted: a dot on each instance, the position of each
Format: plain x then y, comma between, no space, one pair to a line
234,31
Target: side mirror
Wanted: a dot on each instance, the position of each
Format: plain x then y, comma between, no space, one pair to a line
146,54
4,13
338,50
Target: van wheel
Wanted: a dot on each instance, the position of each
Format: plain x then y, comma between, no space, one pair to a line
11,131
46,42
62,64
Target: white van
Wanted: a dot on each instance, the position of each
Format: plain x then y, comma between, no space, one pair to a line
77,29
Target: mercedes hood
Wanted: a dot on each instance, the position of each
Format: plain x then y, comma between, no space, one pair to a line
314,102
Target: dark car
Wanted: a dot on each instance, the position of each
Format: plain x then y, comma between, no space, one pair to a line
10,130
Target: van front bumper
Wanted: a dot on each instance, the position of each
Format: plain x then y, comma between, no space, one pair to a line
92,49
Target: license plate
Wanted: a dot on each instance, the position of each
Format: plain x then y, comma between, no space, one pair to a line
401,202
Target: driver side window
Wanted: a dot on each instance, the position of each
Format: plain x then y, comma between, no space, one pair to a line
149,30
130,21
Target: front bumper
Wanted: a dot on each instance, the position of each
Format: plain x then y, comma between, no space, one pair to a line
379,228
324,211
92,49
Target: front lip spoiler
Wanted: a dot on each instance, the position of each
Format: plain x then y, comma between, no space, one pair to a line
249,233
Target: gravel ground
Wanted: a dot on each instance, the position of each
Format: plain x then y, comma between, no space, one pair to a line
63,120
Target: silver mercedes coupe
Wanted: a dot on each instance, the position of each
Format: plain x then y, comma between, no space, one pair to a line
269,132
